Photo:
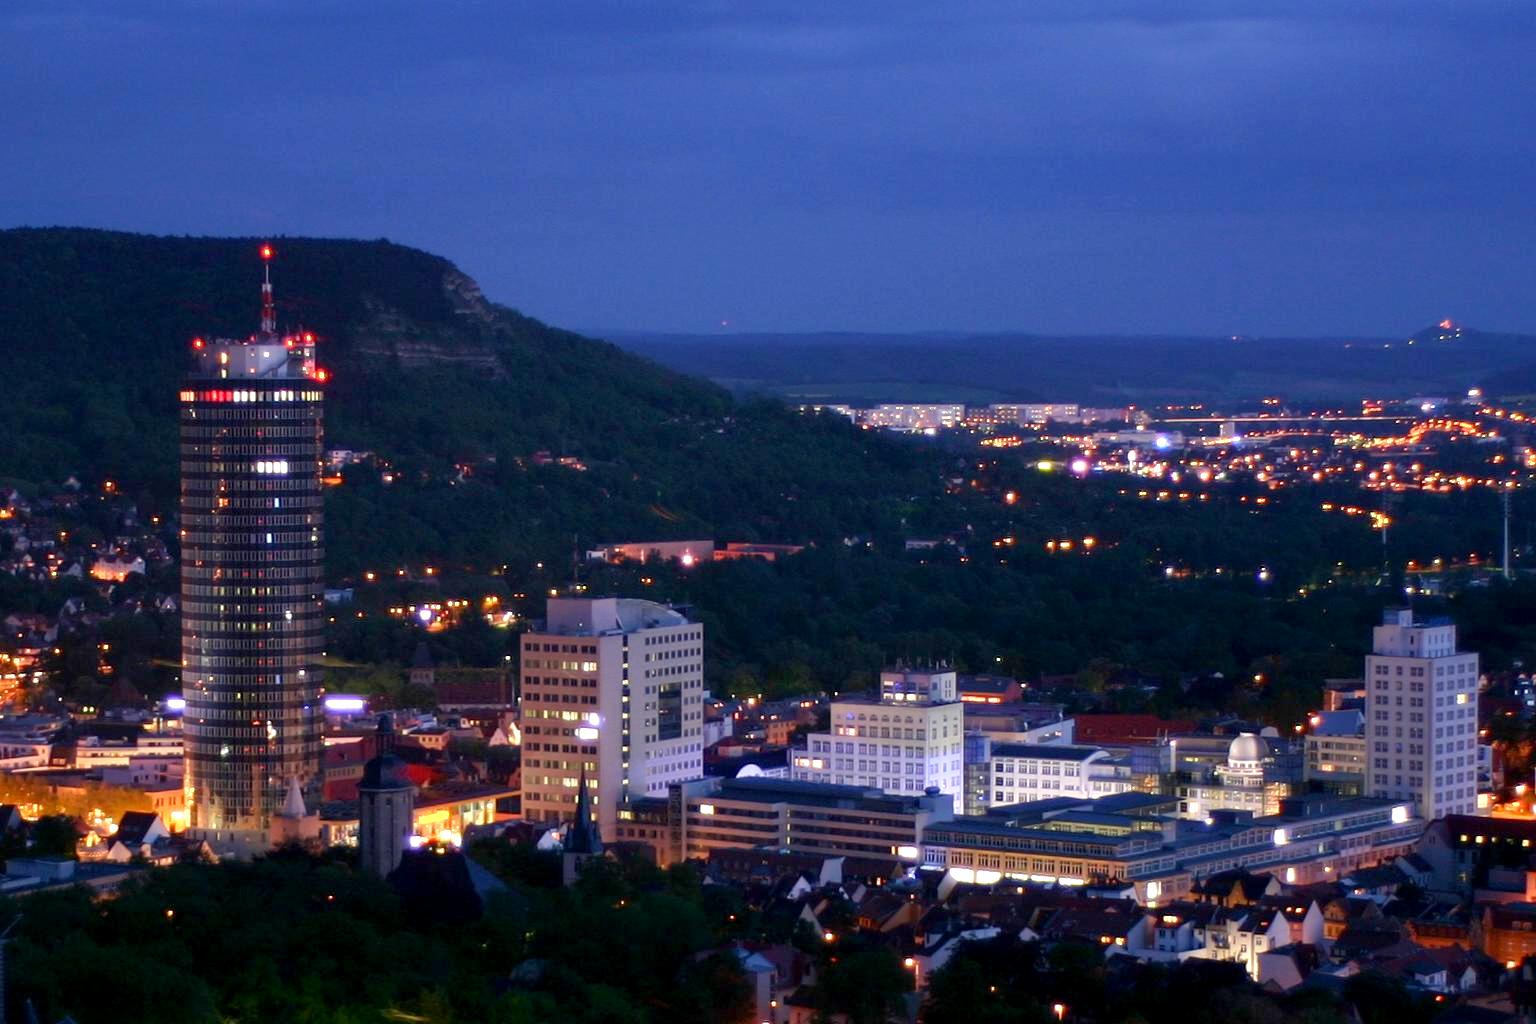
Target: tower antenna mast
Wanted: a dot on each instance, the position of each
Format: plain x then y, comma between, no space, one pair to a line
268,307
1504,498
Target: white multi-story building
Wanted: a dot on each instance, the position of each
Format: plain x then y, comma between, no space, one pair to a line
927,416
1022,772
613,687
1421,716
1337,750
1247,781
906,741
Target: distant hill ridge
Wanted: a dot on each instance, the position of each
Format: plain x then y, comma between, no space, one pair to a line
1097,370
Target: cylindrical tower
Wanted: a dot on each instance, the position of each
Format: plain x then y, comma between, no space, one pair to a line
252,574
386,805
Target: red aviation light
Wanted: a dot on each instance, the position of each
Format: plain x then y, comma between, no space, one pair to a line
197,342
322,375
288,342
267,252
309,339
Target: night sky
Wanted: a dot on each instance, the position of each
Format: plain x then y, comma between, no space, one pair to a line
1304,167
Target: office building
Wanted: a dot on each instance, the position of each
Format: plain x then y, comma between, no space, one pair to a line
1421,716
908,740
1139,840
613,687
1336,752
976,749
778,814
1024,772
1258,773
931,416
251,577
1019,723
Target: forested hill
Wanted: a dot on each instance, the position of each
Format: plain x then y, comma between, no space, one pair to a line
428,373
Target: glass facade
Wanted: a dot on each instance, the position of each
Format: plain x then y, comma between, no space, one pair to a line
252,578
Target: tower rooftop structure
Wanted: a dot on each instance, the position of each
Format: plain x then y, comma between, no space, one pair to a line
385,770
265,354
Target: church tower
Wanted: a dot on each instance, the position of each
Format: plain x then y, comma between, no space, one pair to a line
386,800
583,839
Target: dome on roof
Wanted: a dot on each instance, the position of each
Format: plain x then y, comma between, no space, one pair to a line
1247,747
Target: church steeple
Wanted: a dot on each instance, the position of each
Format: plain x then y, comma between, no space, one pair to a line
583,839
584,836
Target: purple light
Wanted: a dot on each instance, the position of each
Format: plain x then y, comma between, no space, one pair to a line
346,705
424,613
175,703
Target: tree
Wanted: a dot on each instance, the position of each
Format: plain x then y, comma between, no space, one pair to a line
55,836
864,985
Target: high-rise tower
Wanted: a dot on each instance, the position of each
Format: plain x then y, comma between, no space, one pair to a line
613,698
1422,716
251,574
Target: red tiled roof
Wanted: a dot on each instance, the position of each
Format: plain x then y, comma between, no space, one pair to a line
1109,728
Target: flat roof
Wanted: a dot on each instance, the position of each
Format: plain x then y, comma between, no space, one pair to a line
822,794
1132,801
1076,817
444,794
864,700
994,827
1045,751
1036,808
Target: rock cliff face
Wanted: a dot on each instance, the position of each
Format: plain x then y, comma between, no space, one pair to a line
466,341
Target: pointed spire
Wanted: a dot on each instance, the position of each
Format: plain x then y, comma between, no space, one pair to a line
583,835
268,305
385,736
293,807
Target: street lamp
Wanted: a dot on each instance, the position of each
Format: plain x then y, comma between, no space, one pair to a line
1060,1010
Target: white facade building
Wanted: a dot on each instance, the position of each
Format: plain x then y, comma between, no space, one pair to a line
915,417
1421,716
1336,749
1022,772
613,687
1244,783
907,741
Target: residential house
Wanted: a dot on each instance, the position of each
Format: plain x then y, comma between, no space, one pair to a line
1509,932
1236,888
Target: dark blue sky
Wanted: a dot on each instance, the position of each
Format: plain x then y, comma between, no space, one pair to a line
1302,167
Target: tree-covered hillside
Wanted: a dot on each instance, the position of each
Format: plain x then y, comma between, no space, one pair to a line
428,374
